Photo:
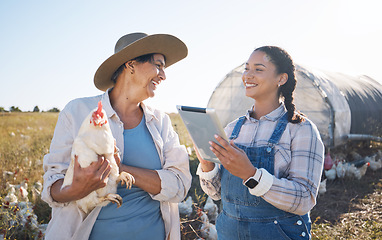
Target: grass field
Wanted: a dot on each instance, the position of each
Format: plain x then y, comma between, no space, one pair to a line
342,213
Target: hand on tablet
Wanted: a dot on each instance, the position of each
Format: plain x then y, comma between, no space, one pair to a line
233,158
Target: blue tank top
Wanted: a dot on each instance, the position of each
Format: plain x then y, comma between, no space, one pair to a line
139,217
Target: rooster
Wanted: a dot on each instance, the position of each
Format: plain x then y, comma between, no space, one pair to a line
95,138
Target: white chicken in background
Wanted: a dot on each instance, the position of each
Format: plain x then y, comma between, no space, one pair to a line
36,190
358,173
20,190
341,169
212,209
11,197
185,207
23,191
374,164
331,173
95,138
322,187
207,230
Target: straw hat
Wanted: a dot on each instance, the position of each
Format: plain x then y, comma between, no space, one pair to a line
134,45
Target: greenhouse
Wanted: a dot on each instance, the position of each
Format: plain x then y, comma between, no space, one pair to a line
343,107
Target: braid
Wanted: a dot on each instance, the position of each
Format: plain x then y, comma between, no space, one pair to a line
284,64
287,92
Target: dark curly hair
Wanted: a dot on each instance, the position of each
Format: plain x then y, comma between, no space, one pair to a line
284,64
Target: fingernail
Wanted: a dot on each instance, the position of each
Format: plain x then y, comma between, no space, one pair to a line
210,142
216,136
211,148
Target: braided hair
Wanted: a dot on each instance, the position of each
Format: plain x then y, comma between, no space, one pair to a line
284,64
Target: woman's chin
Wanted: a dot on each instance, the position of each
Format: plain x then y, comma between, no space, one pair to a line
248,94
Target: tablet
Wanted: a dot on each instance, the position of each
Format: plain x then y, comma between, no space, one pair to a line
202,124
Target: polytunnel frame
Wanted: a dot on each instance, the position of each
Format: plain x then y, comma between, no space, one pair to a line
323,94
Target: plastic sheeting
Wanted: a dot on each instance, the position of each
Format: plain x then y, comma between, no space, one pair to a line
340,105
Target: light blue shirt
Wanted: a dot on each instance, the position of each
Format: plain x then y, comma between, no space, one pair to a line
139,217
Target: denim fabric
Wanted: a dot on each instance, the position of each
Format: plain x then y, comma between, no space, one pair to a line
245,216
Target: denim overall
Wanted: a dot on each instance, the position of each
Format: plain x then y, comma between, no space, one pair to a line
245,216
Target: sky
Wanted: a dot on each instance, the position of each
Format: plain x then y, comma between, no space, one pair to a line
50,50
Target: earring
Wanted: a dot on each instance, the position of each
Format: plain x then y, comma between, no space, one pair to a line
278,85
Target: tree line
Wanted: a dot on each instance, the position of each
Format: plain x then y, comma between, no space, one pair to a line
35,109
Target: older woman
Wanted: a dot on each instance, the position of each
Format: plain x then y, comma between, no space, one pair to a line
271,168
149,147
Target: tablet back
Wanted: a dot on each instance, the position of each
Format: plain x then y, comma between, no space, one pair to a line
202,124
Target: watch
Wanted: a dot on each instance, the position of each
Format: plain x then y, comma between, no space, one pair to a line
253,181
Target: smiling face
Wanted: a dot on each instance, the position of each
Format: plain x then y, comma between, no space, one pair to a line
260,78
148,75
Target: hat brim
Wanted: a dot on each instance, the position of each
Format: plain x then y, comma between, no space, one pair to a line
171,47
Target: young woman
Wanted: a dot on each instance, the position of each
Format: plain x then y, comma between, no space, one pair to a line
148,145
271,167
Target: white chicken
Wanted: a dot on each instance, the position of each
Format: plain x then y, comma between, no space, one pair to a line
212,209
374,164
95,138
207,230
358,173
341,170
185,207
331,173
11,196
21,190
322,187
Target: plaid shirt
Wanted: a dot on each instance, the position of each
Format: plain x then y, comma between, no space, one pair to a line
299,158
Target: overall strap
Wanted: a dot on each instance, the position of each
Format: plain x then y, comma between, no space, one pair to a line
236,129
279,130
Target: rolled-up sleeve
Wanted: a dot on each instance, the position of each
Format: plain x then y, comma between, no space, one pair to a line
57,161
175,174
210,181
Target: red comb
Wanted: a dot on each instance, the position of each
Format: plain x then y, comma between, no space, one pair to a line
97,114
99,110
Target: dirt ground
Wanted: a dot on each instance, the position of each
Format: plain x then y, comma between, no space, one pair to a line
351,208
350,196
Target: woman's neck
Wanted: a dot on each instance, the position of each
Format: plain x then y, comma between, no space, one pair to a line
127,108
264,108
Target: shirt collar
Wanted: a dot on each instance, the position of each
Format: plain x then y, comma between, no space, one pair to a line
149,112
107,105
274,116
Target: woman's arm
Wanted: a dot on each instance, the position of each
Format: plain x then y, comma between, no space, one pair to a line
175,177
85,180
146,179
297,191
